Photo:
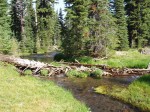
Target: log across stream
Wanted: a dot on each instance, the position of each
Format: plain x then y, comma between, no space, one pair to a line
36,66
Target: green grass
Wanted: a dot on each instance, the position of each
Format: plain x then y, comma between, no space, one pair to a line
44,72
97,73
75,73
27,72
137,94
29,94
130,59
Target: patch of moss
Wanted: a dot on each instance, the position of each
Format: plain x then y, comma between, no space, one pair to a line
27,72
97,73
75,73
44,72
102,90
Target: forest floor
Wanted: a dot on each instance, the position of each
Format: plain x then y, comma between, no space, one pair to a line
136,94
29,94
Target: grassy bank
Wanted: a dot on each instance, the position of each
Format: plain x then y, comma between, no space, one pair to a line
130,59
28,94
137,94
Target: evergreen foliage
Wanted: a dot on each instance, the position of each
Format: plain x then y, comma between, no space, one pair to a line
102,29
17,13
5,40
77,17
91,27
57,31
138,25
122,32
62,25
45,18
29,36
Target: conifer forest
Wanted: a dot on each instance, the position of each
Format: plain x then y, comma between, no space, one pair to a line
74,55
92,27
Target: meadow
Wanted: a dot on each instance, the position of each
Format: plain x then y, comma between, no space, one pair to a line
30,94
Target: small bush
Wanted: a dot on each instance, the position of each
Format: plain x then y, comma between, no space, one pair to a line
86,59
44,72
59,57
75,73
28,72
97,73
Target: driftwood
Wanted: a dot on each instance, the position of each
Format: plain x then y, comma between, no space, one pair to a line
24,64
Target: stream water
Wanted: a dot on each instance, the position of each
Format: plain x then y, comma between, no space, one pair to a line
83,90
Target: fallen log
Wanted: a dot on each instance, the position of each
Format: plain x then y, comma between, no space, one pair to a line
86,65
36,67
114,71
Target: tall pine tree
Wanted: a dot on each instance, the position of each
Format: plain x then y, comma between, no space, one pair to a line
138,24
122,32
57,31
76,26
102,28
5,40
17,18
29,36
45,18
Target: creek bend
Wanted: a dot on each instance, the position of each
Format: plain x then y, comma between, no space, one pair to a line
83,89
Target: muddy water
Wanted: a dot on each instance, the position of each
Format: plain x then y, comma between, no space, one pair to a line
83,89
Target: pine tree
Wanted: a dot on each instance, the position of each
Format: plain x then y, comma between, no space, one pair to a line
102,29
5,40
76,26
138,24
61,19
29,36
57,31
17,18
122,32
4,19
45,17
62,25
145,26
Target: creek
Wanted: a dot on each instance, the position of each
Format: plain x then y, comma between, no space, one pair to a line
83,89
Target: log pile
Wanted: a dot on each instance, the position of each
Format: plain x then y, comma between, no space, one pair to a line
36,67
110,71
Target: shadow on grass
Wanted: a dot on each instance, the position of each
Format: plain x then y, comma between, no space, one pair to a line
145,79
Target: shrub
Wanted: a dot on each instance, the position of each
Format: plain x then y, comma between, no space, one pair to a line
86,59
97,73
27,72
44,72
59,57
75,73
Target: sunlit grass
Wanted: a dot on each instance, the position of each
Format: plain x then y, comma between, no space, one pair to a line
28,94
137,94
75,73
130,59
